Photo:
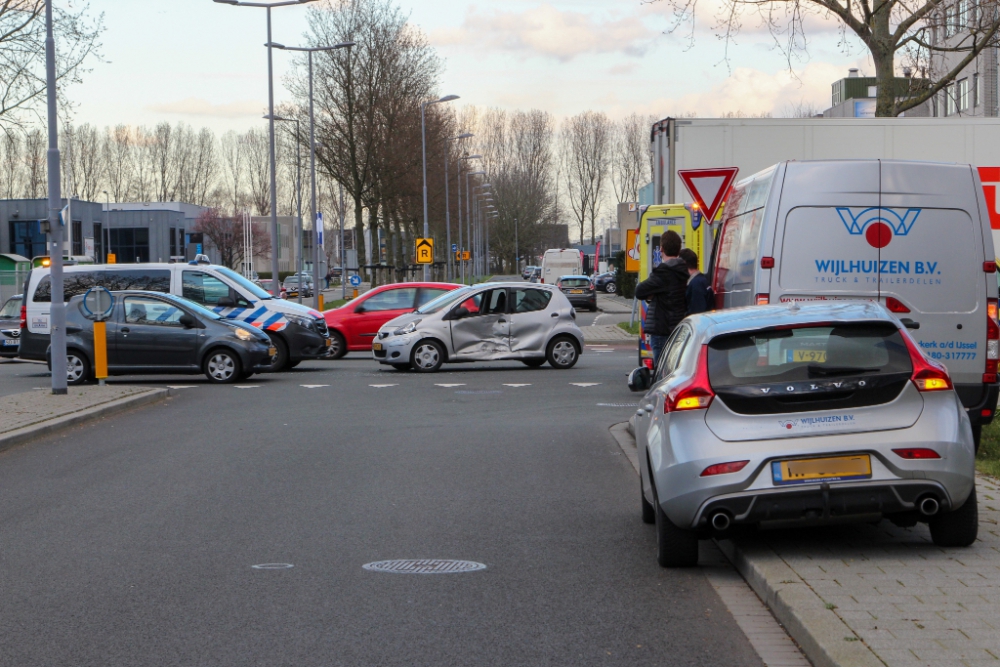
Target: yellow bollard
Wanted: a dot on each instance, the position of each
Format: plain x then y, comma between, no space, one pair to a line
100,351
355,293
321,304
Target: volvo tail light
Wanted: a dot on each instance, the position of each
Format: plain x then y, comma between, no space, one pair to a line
914,453
762,299
696,394
895,305
928,375
992,342
24,316
724,468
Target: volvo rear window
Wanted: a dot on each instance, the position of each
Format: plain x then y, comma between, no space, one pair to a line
807,353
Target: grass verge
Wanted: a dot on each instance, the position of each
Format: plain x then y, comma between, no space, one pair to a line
634,329
988,459
336,303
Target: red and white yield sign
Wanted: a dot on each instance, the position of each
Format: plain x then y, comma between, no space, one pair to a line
709,187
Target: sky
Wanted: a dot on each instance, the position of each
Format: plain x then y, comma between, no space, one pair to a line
204,64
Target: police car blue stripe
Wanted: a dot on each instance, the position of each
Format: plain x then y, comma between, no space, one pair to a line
255,314
274,318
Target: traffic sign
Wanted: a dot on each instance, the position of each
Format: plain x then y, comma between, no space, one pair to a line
454,247
709,187
97,303
355,280
425,251
466,256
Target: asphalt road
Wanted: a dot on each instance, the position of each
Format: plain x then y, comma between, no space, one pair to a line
131,541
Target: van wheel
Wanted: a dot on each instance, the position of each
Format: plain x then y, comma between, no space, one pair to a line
959,528
338,346
562,353
427,356
280,360
77,368
223,366
675,547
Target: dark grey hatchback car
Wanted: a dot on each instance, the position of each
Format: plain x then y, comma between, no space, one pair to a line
153,333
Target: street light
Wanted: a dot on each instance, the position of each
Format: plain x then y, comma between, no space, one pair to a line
468,211
298,199
275,245
58,307
423,142
460,246
106,233
312,162
447,201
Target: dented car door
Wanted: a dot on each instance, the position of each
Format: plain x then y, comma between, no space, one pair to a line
484,331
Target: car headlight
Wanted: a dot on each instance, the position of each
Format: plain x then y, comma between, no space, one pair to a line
408,328
243,334
304,322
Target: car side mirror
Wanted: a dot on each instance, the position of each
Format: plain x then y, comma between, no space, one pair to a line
639,379
360,308
459,313
189,320
226,302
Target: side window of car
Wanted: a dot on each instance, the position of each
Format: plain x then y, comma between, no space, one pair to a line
671,356
392,299
427,294
203,288
472,304
496,302
528,300
144,310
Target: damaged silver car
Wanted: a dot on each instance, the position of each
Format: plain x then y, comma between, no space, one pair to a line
533,324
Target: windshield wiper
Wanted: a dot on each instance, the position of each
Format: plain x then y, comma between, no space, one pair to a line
828,371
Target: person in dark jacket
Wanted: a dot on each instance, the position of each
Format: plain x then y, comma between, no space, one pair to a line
700,298
665,292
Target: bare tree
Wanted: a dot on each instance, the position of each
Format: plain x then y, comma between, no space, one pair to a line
118,160
257,155
161,148
22,54
909,28
233,169
11,165
87,165
36,170
586,143
227,235
630,165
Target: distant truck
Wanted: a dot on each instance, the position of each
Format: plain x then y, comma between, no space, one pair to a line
557,263
754,144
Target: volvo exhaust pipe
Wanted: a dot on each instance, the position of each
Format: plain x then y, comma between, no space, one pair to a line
720,521
929,506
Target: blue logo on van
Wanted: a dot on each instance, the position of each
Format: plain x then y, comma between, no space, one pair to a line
877,224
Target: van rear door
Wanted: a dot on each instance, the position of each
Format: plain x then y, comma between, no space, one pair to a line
822,253
931,268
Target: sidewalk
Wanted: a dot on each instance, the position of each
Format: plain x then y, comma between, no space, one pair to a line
613,303
608,334
34,413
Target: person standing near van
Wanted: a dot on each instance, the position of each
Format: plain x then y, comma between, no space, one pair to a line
666,293
699,293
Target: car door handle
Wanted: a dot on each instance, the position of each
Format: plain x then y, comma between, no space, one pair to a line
501,321
124,329
555,314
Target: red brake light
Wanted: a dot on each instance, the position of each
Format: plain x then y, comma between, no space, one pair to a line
895,305
724,468
762,299
767,262
696,394
990,267
916,453
928,375
24,316
992,342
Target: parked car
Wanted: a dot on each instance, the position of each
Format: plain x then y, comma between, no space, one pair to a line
496,321
528,271
605,282
804,414
914,236
155,333
292,284
354,325
297,332
10,326
536,275
579,290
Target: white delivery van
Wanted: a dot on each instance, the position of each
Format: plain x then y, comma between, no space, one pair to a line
558,263
298,332
914,236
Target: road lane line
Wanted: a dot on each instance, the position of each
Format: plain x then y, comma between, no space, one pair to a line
518,385
249,386
313,386
182,386
584,384
383,386
449,386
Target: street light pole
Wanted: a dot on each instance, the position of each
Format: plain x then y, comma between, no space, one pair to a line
57,311
468,213
447,202
423,144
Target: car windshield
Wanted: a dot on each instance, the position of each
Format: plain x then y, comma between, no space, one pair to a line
198,310
574,282
243,282
12,309
444,301
807,353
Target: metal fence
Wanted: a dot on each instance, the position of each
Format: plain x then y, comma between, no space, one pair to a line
11,283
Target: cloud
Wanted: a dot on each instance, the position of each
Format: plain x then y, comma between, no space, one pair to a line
193,106
550,32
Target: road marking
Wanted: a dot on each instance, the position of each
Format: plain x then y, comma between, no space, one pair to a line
182,386
518,385
383,386
313,386
584,384
248,386
273,566
449,386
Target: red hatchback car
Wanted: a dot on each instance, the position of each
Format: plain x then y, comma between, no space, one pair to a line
354,325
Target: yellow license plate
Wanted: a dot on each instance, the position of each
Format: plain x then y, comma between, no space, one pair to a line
806,356
837,468
576,291
377,347
272,351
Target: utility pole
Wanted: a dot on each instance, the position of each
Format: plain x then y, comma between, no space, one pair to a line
57,311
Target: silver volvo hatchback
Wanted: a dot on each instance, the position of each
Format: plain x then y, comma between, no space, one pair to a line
494,321
786,415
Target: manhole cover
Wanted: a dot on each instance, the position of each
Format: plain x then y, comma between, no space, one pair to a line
424,566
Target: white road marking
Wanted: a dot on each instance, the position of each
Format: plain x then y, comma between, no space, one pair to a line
273,566
249,386
449,386
383,386
584,384
518,385
313,386
182,386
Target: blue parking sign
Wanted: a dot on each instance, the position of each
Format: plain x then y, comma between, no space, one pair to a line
454,248
355,281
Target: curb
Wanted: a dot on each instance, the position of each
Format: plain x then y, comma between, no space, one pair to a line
21,435
824,638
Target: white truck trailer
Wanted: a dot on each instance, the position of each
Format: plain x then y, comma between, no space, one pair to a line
753,144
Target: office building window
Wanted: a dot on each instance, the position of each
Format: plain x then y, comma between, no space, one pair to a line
962,15
77,237
129,244
173,241
26,238
98,242
181,252
963,94
977,93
